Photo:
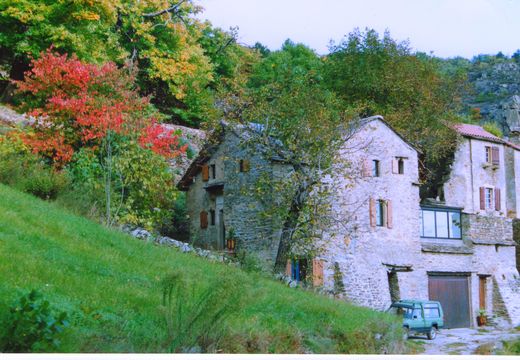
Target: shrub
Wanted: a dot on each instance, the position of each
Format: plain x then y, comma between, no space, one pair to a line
27,172
493,129
44,181
377,337
32,325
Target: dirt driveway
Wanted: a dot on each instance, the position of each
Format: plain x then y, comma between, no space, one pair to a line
483,341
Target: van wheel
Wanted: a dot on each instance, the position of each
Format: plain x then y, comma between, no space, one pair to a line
406,333
432,334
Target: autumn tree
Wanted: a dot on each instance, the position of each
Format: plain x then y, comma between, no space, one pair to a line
382,76
294,108
84,108
178,58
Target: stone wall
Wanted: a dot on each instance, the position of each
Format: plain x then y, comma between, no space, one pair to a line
243,209
487,229
366,254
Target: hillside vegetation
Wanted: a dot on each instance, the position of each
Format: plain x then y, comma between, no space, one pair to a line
111,286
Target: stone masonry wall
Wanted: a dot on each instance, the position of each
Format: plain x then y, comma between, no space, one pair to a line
361,250
243,210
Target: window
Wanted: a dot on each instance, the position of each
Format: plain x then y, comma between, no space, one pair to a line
298,269
375,168
213,171
489,156
440,223
431,312
212,216
380,213
243,165
492,155
400,166
489,198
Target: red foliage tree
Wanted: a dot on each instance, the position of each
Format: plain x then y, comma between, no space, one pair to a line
76,104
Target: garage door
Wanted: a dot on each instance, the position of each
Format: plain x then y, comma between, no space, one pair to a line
452,291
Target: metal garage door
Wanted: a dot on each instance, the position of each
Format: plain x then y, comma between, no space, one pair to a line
452,291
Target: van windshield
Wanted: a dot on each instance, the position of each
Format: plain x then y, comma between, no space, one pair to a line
401,311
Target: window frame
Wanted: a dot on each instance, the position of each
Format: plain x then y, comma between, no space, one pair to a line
489,154
491,192
376,168
381,211
447,211
400,166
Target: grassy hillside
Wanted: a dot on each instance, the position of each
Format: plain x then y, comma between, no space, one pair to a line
110,284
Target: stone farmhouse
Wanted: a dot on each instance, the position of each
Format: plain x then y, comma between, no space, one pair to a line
458,248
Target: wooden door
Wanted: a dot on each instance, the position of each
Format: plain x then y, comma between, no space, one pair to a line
452,291
482,292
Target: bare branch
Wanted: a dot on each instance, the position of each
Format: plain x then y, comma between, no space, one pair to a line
171,9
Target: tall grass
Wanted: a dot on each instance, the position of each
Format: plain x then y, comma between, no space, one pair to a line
121,297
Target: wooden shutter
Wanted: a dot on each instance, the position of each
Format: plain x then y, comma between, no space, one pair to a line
245,165
482,198
317,272
395,166
205,172
288,268
367,169
203,219
372,212
389,214
495,155
497,199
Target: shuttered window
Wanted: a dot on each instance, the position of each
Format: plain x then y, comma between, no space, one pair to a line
317,272
389,214
380,213
203,219
497,199
244,165
495,155
205,172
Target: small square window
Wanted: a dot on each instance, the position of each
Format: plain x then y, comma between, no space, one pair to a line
375,168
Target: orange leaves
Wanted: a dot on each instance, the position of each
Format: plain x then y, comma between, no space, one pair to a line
76,104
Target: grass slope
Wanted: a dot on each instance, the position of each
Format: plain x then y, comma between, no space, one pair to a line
110,284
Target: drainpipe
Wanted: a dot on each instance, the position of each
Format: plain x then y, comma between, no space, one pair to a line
471,172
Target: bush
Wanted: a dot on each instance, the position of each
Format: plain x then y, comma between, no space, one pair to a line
377,337
27,172
493,129
32,326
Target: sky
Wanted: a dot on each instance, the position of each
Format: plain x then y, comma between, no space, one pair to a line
448,28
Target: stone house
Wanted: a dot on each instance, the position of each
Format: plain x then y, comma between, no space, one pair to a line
387,244
220,197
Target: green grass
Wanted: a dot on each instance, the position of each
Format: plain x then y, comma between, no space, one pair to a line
109,283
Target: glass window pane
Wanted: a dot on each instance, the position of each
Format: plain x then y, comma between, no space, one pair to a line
442,224
429,223
455,225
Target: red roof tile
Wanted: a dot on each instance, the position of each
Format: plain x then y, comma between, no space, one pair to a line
478,132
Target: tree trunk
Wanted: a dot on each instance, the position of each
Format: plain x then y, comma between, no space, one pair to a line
18,68
289,225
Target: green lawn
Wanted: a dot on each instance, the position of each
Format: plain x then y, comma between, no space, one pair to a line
109,283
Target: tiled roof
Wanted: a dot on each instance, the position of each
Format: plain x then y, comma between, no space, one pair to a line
478,132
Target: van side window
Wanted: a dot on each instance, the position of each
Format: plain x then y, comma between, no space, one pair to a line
431,312
417,313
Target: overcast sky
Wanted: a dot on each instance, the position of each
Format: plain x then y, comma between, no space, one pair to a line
446,27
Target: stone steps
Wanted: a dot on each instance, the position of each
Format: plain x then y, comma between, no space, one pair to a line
509,287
